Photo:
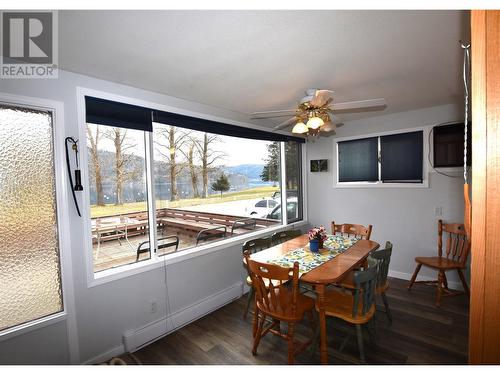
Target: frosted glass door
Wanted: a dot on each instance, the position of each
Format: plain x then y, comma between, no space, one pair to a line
30,280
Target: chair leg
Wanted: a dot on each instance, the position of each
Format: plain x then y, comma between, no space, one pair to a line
386,304
439,291
445,280
359,334
464,282
255,318
315,341
373,326
258,334
291,331
414,277
249,300
312,322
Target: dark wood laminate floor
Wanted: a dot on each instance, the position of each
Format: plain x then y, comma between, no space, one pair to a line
420,334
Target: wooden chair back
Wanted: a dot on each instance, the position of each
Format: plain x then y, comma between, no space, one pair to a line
258,244
457,244
354,230
365,282
272,292
253,246
280,237
381,259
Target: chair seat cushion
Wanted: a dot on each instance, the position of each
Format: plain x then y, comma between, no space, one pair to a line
304,303
339,304
438,262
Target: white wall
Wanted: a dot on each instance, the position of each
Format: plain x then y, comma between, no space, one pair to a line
404,216
105,312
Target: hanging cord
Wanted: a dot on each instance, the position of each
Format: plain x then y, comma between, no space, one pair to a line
467,202
466,73
71,140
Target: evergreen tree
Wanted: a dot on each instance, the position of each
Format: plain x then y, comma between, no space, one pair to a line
271,170
222,184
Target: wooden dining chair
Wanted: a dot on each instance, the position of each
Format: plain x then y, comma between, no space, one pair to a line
357,308
253,246
280,237
279,302
379,259
352,230
454,258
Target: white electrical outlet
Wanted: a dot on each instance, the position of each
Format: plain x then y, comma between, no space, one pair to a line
153,308
438,211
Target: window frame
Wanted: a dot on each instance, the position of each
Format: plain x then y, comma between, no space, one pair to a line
63,206
379,184
112,274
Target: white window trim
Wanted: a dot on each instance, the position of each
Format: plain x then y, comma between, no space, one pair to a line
113,274
379,184
63,207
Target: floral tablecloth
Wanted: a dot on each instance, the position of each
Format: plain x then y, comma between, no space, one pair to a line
333,246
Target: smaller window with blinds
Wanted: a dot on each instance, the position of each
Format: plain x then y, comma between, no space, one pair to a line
382,160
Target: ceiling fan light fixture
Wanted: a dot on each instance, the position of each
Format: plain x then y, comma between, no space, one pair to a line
300,128
315,122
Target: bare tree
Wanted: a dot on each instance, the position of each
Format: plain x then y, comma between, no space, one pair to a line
175,140
193,169
208,157
93,144
122,143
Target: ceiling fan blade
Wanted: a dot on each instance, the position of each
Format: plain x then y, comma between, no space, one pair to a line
336,119
321,98
270,114
328,127
359,104
285,124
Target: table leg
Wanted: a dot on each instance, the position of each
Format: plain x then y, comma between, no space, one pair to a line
320,290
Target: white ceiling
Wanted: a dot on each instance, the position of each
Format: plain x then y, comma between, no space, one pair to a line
247,61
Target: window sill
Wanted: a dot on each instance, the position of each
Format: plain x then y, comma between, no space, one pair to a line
113,274
32,326
380,185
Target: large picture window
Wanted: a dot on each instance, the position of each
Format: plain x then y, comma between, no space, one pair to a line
205,187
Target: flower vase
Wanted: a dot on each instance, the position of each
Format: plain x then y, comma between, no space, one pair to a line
314,246
320,244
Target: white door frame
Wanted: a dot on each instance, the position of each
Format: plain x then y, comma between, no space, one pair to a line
63,206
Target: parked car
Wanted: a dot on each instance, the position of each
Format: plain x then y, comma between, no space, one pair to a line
262,207
291,210
289,193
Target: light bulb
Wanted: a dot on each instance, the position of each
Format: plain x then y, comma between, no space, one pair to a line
300,128
315,122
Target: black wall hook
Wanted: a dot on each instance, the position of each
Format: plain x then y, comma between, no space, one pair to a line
78,177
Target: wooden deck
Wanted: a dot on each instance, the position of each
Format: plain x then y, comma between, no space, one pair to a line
420,334
114,250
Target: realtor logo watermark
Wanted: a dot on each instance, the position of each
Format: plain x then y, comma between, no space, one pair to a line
29,45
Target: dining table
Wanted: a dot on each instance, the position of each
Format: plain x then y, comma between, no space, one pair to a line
331,271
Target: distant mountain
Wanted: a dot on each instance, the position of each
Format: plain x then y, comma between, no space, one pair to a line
252,171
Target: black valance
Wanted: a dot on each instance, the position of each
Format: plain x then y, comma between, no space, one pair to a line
107,112
215,127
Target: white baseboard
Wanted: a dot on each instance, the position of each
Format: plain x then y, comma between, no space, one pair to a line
407,276
120,349
135,339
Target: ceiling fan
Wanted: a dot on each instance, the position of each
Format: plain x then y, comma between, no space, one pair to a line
315,113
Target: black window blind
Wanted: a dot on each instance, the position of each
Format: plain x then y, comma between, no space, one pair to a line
111,113
402,157
210,126
358,160
122,115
